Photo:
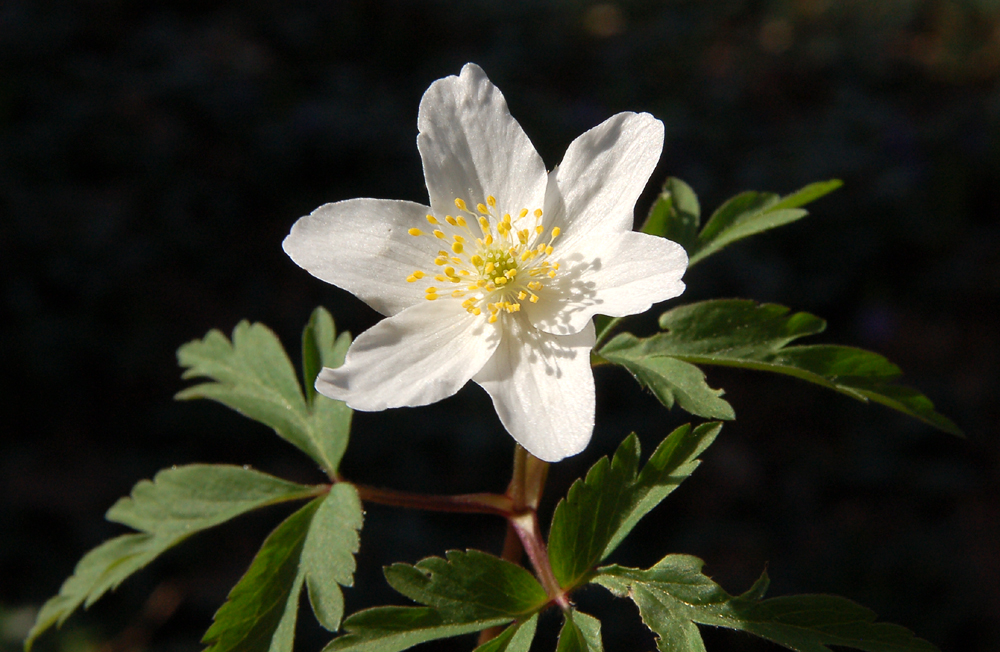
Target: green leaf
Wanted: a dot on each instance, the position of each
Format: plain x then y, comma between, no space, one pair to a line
675,214
674,594
328,554
516,638
741,333
260,612
600,511
185,499
470,585
671,380
178,503
750,213
253,375
392,629
580,633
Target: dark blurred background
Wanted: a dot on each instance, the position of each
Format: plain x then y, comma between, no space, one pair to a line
153,155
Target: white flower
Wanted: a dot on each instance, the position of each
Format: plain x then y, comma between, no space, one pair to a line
498,279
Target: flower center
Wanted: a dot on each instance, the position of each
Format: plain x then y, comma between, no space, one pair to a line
507,262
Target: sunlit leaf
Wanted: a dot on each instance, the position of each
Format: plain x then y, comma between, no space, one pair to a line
516,638
674,595
328,554
741,333
580,633
602,509
253,375
178,503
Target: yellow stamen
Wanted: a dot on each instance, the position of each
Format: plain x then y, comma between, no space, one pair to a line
524,211
491,200
439,234
415,232
432,219
538,212
431,297
476,260
555,232
522,295
450,220
460,203
482,209
460,220
457,247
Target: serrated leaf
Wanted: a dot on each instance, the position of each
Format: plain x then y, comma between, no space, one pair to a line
253,375
392,629
186,499
580,633
741,333
675,214
322,347
178,502
600,511
469,585
669,379
674,594
260,613
516,638
753,212
328,554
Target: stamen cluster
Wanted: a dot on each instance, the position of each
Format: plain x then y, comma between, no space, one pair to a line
506,264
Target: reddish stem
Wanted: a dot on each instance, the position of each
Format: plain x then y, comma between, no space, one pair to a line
483,503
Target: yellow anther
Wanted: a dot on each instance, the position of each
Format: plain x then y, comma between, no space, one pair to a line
458,293
524,211
493,318
555,265
489,239
481,283
418,274
431,297
539,229
439,234
526,255
552,274
451,220
456,260
431,290
538,212
476,260
534,298
500,280
458,238
506,219
484,224
482,209
522,295
460,203
534,285
555,232
522,235
460,220
477,312
489,268
432,219
463,272
457,247
491,200
415,232
441,260
549,250
440,279
449,271
411,279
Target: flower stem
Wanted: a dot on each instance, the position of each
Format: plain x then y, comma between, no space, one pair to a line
482,503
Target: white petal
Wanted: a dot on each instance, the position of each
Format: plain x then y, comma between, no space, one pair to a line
621,276
601,177
543,389
422,355
362,246
472,147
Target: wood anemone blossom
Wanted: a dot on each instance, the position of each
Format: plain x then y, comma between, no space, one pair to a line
498,279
